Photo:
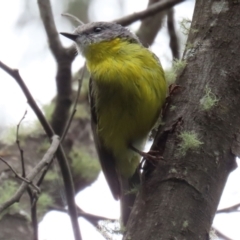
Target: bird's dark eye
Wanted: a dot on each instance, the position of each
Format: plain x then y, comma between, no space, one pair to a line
97,29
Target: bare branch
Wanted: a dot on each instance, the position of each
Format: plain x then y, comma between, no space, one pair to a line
153,9
34,199
233,208
18,144
15,74
63,163
50,28
93,219
70,118
34,220
174,44
35,171
44,172
75,104
32,195
221,235
18,176
64,58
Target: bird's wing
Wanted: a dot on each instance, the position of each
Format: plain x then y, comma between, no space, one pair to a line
105,156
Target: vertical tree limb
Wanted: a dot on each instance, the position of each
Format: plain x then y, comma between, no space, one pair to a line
64,58
174,43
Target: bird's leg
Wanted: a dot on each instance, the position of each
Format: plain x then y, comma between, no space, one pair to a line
151,156
144,154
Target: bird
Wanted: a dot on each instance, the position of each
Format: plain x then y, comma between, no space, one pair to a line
127,90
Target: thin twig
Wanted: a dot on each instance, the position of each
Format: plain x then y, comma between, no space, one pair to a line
221,235
44,172
35,171
31,194
151,10
15,74
93,219
63,163
27,181
233,208
29,190
74,105
18,144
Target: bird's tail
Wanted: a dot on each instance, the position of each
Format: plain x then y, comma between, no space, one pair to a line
129,190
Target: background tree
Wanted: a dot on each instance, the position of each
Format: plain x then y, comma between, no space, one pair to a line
198,140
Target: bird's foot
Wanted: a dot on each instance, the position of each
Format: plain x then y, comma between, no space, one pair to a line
153,156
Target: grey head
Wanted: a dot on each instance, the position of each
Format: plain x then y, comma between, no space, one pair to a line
97,32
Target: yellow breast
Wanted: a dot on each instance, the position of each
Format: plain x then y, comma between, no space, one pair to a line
129,91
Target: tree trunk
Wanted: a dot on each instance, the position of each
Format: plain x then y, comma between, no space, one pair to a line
198,141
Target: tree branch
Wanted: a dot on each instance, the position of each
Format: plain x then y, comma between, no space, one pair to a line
75,104
30,192
64,58
174,44
34,199
50,28
221,235
19,147
35,171
27,181
63,163
233,208
93,219
153,9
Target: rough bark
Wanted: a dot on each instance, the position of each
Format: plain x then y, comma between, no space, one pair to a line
178,200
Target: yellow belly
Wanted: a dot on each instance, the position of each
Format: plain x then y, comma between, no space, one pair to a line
129,91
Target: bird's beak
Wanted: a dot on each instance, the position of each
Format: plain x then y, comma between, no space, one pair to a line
70,36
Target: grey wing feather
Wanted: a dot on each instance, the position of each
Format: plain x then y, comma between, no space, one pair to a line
105,156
